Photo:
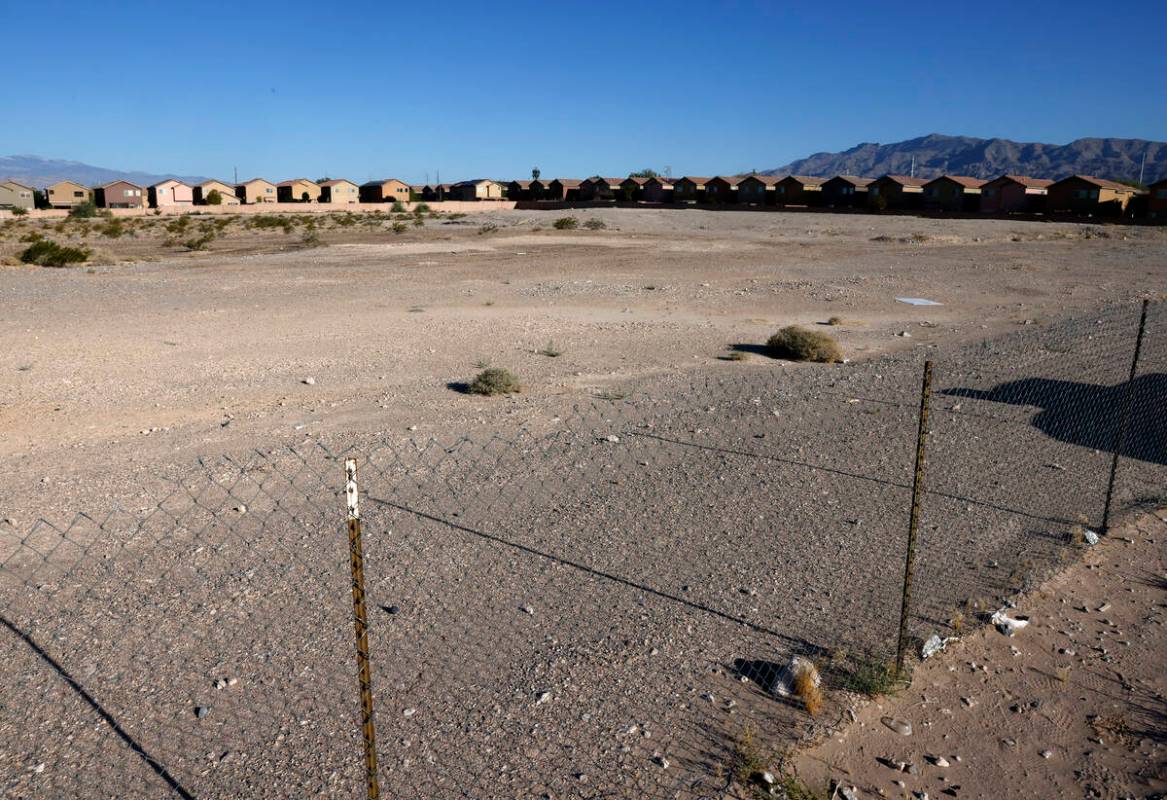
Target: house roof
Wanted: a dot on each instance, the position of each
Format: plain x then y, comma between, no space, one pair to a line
731,180
1026,181
475,182
769,180
694,179
71,183
854,180
904,180
963,180
119,180
523,184
639,180
568,183
661,179
294,181
214,183
1101,183
384,181
809,180
255,180
16,183
169,180
336,182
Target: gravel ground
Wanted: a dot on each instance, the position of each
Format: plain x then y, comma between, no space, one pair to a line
592,585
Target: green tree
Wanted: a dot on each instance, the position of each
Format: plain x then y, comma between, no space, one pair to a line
535,173
214,198
645,173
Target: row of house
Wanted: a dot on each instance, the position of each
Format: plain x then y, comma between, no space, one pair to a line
1078,194
1006,194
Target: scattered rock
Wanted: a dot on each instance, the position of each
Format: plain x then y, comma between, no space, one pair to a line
661,762
939,761
899,726
783,684
613,438
201,711
309,381
542,697
1091,537
527,609
1006,624
935,645
1047,753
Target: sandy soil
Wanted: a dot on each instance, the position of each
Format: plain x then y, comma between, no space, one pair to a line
1074,705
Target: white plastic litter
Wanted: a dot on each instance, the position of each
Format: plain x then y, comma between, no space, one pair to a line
1006,624
935,645
918,301
1091,537
783,684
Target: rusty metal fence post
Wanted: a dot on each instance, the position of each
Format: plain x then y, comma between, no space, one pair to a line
361,623
1124,414
914,519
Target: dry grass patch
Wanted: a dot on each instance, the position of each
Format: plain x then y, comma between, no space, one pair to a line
799,344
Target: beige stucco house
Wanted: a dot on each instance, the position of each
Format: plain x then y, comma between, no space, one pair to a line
385,191
339,192
256,190
170,193
479,189
297,190
66,194
16,195
226,192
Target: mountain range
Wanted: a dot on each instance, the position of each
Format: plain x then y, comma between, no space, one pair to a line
40,172
937,154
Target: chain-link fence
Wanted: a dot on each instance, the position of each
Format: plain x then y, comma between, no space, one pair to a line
597,602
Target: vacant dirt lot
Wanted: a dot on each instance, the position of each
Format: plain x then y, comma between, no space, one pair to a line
580,591
193,353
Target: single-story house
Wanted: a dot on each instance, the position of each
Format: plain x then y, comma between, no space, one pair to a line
1085,194
953,193
757,190
721,190
540,189
477,189
16,195
297,190
66,194
895,191
598,188
519,190
338,191
256,190
844,190
564,189
387,190
632,188
1014,193
1157,201
227,196
798,190
170,193
120,194
658,190
689,189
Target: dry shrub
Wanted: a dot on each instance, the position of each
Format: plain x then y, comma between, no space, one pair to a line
833,321
806,689
495,381
799,344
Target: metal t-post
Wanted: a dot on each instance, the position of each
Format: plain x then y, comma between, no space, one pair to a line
1124,415
914,519
361,622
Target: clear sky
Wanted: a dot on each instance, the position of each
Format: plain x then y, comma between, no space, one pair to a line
491,89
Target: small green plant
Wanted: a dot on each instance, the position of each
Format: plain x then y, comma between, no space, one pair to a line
86,210
565,224
418,222
178,225
114,229
31,236
422,208
872,677
486,228
800,344
17,211
595,224
400,227
397,208
310,238
46,253
199,242
550,350
735,355
495,380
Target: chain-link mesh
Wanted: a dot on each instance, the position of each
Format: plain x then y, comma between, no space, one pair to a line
597,602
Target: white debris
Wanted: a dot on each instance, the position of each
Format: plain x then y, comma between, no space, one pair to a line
1006,624
918,301
783,684
1091,537
309,381
935,645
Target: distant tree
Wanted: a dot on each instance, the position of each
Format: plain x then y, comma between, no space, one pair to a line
214,198
645,173
304,198
535,173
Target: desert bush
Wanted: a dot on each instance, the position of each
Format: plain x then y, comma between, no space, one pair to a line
311,238
85,210
31,236
178,225
397,208
800,344
199,242
114,229
214,198
418,222
47,253
268,222
873,678
399,227
488,227
595,224
17,211
422,208
806,688
495,380
565,224
835,321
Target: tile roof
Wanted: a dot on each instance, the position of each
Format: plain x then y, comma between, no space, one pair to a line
963,180
1026,181
904,180
854,180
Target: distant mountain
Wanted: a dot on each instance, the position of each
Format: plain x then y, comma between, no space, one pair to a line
936,154
40,172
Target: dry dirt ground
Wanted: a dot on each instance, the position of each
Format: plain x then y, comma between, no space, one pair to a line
1074,705
579,591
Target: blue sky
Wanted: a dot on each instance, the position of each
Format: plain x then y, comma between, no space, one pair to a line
364,90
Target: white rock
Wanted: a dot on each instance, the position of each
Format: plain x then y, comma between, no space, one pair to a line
935,645
900,726
1006,624
1091,537
309,381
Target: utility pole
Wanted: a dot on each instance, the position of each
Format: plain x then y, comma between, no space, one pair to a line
913,166
236,174
1143,166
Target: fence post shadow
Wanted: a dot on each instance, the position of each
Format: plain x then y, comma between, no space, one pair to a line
106,717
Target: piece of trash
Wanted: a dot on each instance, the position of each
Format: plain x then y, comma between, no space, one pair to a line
918,301
900,726
935,645
1006,624
1091,537
783,683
